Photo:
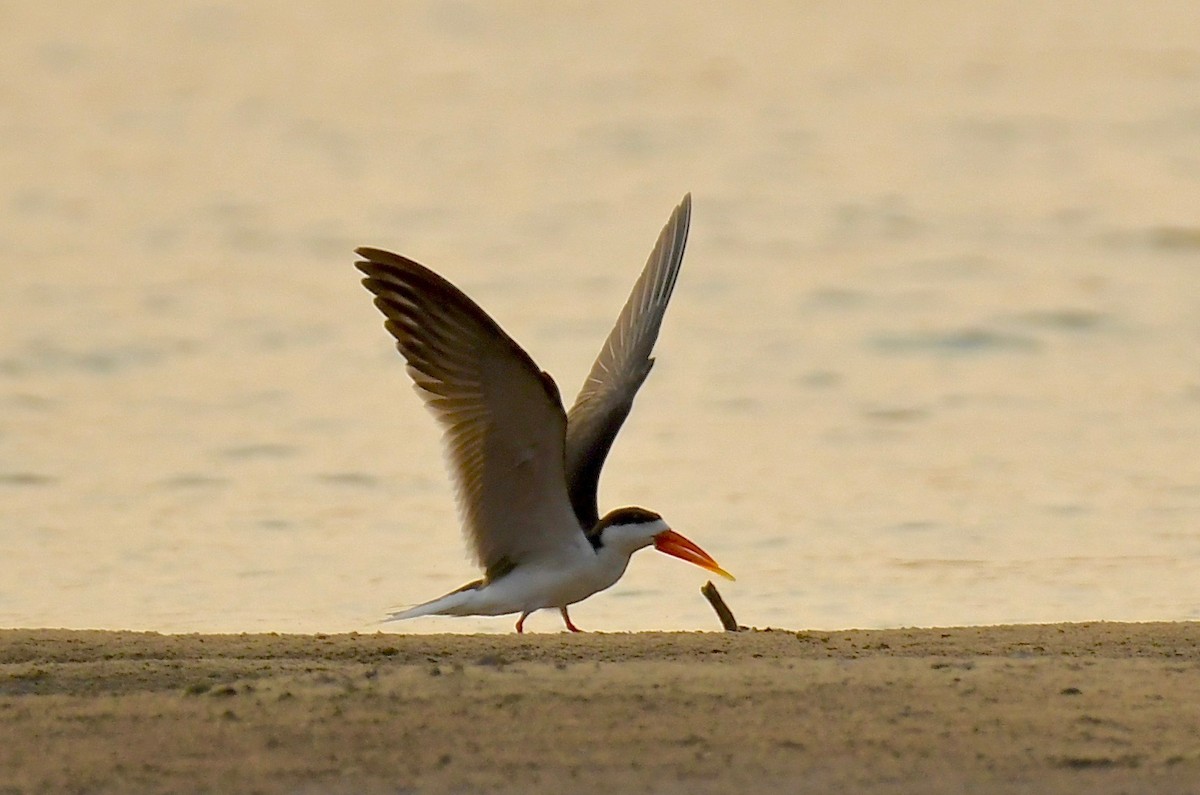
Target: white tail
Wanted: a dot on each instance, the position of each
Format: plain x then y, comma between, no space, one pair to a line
454,603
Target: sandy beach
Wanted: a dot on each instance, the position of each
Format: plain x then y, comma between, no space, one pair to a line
1102,707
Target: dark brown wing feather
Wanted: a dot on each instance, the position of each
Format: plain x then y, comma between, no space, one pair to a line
623,364
503,418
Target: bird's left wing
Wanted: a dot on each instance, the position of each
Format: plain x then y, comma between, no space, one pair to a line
503,417
623,364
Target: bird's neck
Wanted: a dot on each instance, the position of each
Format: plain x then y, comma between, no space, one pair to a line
611,562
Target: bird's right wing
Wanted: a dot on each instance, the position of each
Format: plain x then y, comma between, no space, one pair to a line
503,417
623,364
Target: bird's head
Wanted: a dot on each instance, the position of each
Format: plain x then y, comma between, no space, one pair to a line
626,530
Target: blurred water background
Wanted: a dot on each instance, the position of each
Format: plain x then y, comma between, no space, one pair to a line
934,357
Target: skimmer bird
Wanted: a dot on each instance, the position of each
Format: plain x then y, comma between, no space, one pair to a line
527,471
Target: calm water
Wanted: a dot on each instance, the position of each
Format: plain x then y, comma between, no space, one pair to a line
934,357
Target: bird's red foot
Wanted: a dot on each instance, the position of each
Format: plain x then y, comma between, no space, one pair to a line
521,624
567,619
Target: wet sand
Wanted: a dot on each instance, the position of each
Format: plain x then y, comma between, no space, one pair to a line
1101,707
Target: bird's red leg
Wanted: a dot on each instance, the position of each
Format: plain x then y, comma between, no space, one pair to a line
521,623
567,619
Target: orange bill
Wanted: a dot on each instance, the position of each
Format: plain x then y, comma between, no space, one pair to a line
674,544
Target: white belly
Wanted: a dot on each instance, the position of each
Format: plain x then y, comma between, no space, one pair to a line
534,586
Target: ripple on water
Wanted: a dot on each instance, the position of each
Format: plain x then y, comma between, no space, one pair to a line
970,341
1064,320
43,356
896,413
351,479
1174,238
26,479
191,481
257,451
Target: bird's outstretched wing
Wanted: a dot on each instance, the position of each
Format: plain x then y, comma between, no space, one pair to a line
503,417
623,364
